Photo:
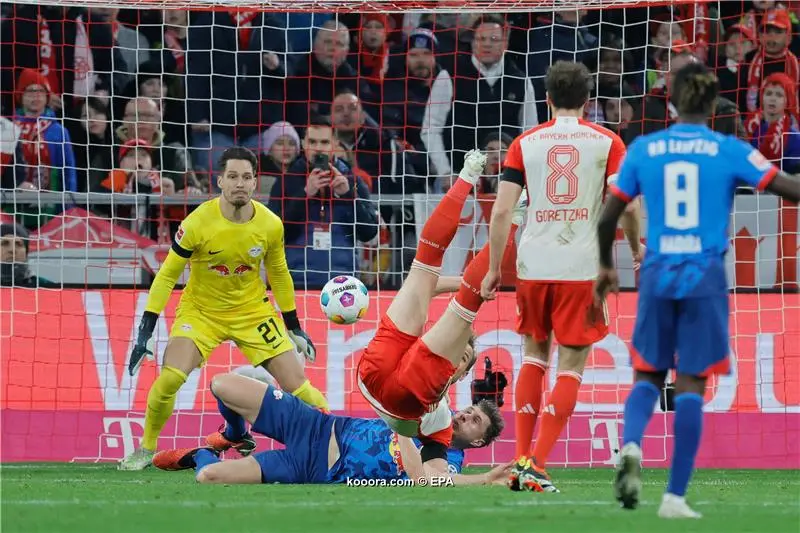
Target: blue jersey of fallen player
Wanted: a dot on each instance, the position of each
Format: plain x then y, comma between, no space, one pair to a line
688,176
369,450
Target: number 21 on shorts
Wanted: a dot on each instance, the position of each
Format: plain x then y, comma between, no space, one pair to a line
269,331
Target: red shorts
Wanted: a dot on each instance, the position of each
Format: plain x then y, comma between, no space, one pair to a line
565,308
402,374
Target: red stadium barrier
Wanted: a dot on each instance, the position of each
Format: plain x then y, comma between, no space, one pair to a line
65,392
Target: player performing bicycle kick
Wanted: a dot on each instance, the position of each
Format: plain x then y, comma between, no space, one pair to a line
405,374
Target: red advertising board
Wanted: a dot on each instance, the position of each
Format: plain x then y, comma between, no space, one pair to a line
65,391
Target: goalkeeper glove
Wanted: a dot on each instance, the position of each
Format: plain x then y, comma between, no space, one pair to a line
300,338
474,164
144,342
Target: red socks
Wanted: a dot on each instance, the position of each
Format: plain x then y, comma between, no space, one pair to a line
469,295
528,394
442,225
556,414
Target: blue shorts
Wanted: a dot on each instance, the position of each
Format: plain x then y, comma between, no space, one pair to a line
690,335
304,430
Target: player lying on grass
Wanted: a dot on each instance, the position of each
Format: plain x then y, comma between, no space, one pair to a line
322,448
688,176
225,241
405,374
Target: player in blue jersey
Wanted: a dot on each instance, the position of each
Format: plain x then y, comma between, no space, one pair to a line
687,175
323,448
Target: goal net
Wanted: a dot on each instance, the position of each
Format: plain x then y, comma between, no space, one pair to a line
114,116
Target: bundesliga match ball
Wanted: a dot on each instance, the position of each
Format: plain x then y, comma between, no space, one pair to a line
344,300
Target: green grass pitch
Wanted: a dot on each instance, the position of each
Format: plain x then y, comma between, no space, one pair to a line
67,498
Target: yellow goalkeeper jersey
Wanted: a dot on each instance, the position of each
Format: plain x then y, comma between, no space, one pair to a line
225,262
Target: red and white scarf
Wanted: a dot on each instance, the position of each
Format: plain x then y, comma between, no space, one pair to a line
695,19
244,23
35,150
47,56
756,74
771,142
374,63
85,76
173,44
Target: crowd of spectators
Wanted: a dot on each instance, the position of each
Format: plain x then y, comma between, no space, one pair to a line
347,112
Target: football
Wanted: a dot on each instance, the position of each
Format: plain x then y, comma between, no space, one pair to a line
344,300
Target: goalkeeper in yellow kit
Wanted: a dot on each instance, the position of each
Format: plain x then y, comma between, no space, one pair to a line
225,241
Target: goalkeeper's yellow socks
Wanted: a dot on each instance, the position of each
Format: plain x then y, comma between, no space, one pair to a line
160,403
311,395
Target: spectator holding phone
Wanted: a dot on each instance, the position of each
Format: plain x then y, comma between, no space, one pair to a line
325,210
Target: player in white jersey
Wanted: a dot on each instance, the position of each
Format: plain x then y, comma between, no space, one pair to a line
565,164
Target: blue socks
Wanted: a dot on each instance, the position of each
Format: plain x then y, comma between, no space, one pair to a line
234,423
639,409
688,428
203,458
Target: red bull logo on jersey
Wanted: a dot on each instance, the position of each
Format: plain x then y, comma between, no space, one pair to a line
224,270
221,270
242,269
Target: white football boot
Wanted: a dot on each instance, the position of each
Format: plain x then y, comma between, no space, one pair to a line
673,506
628,483
138,460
